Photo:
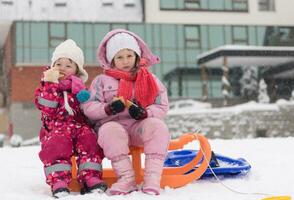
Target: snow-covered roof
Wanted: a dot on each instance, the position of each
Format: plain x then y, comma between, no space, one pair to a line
238,55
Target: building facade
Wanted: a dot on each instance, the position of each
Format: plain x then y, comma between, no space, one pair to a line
175,30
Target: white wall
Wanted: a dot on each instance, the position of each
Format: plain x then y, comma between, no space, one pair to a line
283,15
75,10
4,29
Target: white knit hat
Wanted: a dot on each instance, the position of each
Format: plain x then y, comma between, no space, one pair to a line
121,41
69,49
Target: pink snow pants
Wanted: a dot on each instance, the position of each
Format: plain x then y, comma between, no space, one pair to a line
150,133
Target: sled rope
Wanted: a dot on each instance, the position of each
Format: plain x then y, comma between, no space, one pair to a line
224,185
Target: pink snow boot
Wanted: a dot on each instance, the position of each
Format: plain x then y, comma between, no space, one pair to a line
126,177
60,189
152,175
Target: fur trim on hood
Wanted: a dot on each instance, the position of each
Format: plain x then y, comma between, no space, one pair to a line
146,53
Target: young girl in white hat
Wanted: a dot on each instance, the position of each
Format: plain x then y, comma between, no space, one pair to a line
65,131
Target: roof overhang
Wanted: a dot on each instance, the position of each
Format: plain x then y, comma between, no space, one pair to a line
246,56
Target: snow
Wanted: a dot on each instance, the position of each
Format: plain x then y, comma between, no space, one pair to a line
271,160
246,47
271,174
249,106
262,94
186,105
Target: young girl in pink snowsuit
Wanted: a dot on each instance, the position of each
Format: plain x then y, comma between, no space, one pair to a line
128,104
65,131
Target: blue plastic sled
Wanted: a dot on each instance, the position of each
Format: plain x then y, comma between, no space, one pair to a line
227,166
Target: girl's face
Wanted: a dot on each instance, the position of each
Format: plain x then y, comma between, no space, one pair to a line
66,67
125,60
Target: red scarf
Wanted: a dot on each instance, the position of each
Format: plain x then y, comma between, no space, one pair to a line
146,89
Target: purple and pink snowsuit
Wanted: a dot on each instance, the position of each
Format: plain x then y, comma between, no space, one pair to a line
117,132
63,135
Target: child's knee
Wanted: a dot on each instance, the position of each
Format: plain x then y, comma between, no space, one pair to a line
111,132
155,129
58,147
87,142
113,139
155,136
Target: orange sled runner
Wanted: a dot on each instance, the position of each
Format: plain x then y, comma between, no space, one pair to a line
173,177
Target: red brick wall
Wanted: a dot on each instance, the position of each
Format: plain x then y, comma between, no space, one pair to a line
24,81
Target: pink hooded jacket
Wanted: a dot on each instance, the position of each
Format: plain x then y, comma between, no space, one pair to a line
104,88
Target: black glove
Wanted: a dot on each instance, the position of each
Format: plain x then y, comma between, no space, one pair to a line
116,106
136,111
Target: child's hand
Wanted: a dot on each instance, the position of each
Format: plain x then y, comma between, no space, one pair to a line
116,106
136,111
51,75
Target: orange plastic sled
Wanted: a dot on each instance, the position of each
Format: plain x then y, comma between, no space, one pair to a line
173,177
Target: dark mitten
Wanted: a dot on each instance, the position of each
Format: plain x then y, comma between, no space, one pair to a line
116,106
137,112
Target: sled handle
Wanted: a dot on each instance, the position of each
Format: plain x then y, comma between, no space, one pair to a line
181,141
175,177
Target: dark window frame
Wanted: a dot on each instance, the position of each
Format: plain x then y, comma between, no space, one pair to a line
265,5
60,4
236,40
107,3
236,2
7,3
185,8
60,38
191,2
188,40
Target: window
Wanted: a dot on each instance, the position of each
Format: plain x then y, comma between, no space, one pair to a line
192,37
129,3
168,4
279,36
8,3
57,34
206,5
240,4
107,2
266,5
216,36
240,35
59,3
39,42
214,87
192,4
215,5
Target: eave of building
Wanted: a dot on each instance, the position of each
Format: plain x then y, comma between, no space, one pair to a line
259,56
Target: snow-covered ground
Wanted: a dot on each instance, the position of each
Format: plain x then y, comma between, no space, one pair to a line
271,160
200,107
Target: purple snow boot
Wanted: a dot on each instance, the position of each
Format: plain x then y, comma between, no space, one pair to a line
60,189
152,175
126,177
